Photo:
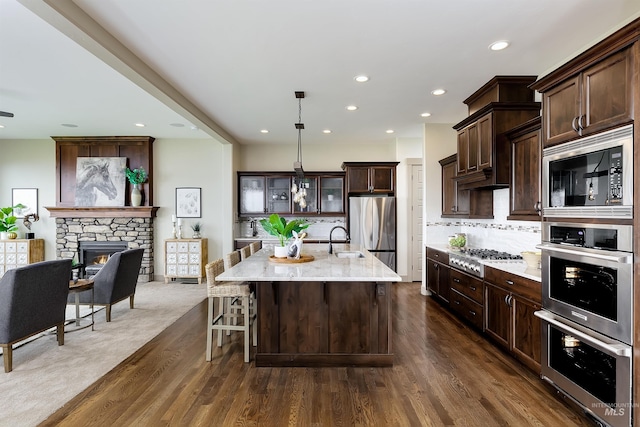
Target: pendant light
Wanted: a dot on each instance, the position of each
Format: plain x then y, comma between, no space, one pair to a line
299,189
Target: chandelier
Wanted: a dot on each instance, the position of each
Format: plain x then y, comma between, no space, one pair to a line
299,188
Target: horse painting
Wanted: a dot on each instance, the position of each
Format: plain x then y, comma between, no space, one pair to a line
95,178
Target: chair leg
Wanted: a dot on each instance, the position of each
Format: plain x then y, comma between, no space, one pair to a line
107,312
221,310
60,333
209,330
7,355
131,301
229,309
246,309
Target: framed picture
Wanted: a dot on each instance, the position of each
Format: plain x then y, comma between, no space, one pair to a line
27,197
188,202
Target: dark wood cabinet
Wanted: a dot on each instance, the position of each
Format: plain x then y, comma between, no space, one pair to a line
595,99
509,304
467,297
455,202
370,177
324,324
525,185
438,274
262,193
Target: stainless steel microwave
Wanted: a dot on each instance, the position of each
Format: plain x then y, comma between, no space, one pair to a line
591,177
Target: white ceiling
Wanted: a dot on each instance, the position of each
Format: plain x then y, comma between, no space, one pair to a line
235,64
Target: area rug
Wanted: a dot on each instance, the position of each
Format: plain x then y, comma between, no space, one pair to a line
45,376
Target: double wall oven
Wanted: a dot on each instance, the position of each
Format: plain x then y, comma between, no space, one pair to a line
587,273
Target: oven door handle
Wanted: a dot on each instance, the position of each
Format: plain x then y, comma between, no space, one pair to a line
611,349
620,259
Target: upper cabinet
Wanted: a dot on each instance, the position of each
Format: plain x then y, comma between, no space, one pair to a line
261,193
370,177
454,202
593,92
501,104
524,188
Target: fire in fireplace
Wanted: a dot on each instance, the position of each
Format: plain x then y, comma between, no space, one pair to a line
93,255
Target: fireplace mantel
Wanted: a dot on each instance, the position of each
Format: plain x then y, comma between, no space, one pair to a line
102,212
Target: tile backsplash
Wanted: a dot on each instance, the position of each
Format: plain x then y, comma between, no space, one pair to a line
319,228
497,233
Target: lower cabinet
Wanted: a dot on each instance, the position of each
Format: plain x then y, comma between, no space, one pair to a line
20,252
438,274
466,297
509,304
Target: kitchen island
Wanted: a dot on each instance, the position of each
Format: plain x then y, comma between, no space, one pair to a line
331,311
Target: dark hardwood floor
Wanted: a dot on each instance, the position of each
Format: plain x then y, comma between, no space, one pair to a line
445,374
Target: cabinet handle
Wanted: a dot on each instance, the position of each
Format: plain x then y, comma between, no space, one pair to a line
573,124
509,282
473,313
456,280
473,288
457,302
435,265
506,299
580,122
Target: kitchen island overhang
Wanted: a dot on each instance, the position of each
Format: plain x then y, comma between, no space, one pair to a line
329,312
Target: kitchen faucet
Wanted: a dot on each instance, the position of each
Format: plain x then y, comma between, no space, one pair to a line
331,233
254,230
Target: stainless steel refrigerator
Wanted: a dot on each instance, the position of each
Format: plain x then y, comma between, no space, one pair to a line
372,224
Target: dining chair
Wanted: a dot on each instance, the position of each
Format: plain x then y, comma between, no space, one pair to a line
221,320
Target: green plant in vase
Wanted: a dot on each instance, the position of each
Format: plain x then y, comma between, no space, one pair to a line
8,221
277,226
196,230
136,177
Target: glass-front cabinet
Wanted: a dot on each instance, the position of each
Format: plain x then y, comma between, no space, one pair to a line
331,194
262,193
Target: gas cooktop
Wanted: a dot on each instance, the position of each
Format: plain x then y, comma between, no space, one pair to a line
469,260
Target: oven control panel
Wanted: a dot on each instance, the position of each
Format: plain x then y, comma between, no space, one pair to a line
615,176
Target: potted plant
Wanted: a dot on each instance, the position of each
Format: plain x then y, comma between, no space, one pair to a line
196,230
8,226
283,230
136,177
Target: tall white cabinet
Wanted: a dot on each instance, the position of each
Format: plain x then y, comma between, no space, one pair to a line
185,258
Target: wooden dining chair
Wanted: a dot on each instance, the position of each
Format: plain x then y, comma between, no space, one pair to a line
222,320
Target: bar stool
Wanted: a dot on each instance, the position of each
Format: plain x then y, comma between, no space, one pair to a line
255,246
221,322
245,252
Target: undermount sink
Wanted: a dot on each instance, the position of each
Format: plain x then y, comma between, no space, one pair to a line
349,254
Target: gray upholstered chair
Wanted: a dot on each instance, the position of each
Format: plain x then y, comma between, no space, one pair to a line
222,320
115,281
32,299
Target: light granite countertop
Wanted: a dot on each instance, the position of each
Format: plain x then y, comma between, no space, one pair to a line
517,267
324,267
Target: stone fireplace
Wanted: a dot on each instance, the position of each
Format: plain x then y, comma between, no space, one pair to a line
94,254
134,232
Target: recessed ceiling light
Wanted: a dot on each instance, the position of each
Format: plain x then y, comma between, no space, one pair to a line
352,107
499,45
389,131
177,125
140,125
1,126
69,125
326,131
361,78
193,127
425,115
264,130
438,92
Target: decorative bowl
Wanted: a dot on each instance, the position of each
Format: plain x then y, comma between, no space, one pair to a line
532,258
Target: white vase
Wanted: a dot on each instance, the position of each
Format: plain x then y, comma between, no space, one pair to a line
280,251
136,195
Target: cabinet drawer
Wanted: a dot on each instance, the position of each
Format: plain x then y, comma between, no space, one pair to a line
467,285
437,255
466,308
519,285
